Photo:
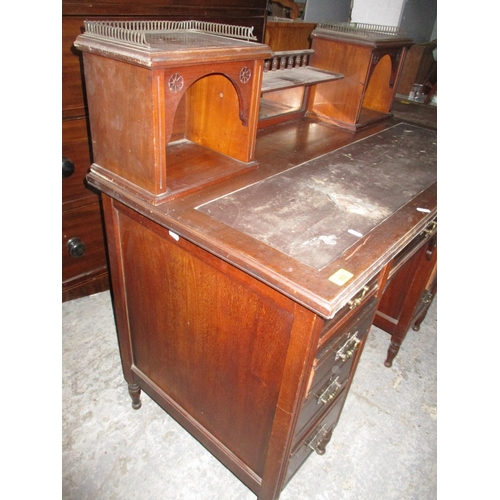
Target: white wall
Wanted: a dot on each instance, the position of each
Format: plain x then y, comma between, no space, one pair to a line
385,12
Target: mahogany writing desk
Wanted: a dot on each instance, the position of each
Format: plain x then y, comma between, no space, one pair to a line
243,303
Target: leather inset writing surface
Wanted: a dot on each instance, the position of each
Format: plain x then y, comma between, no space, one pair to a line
317,210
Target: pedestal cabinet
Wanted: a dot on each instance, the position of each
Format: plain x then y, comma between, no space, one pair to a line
370,57
257,378
247,265
410,289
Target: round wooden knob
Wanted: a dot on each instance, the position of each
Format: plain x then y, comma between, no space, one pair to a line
68,167
76,247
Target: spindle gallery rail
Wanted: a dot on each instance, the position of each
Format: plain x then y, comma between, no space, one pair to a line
139,32
360,28
288,60
285,87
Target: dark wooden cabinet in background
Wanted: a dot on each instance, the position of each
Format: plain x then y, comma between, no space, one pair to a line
288,35
84,262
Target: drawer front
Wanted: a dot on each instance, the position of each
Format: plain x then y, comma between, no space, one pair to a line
317,438
333,367
73,97
83,247
340,349
323,397
76,164
349,311
412,248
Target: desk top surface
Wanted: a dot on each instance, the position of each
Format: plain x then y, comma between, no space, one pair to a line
288,222
316,211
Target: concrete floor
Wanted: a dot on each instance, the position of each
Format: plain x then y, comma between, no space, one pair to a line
383,448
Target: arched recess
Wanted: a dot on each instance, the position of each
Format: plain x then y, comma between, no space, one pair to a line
380,87
212,113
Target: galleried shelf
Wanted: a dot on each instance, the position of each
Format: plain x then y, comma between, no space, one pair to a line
189,94
371,58
286,85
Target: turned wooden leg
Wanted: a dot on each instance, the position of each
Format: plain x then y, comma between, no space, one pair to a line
391,353
135,393
418,321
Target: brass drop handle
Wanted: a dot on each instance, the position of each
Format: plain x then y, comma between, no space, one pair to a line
429,229
426,297
355,302
316,443
324,397
345,356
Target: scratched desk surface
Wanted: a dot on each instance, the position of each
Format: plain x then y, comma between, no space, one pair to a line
317,210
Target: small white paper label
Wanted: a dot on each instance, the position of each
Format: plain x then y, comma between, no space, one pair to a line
354,233
174,235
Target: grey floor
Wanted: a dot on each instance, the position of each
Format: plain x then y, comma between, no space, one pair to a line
384,446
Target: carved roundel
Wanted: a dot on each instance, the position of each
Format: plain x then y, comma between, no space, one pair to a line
175,83
376,58
245,74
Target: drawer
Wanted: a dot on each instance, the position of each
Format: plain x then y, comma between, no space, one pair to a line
323,396
73,97
412,248
343,343
76,164
83,247
333,368
317,439
350,310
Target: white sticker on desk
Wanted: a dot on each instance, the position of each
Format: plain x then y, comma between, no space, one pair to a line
341,277
174,236
354,233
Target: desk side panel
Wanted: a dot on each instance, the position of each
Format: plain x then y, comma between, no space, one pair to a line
208,340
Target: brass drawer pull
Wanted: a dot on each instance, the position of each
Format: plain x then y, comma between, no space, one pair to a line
324,397
317,442
427,297
429,229
351,342
355,302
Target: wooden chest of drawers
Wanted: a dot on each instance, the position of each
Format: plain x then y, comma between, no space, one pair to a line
84,260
